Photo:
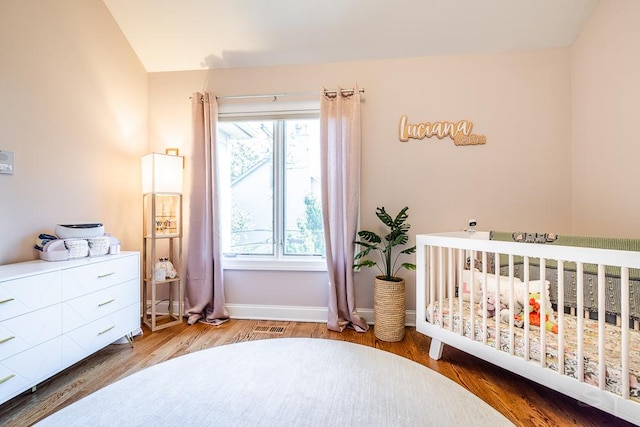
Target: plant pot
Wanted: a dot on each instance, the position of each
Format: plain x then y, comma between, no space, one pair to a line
389,309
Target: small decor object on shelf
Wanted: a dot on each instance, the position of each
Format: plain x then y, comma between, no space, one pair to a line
160,274
167,268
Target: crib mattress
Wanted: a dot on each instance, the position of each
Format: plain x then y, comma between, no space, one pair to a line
590,346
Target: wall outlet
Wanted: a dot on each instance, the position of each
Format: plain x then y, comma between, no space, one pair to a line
6,162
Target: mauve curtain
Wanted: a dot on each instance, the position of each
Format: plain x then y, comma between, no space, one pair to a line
204,288
340,180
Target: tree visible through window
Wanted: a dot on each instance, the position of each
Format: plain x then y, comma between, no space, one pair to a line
269,171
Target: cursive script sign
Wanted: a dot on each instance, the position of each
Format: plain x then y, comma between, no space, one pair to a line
459,132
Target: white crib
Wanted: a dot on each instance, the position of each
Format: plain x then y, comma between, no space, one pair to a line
455,273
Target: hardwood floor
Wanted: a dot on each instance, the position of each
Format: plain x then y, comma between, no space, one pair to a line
523,402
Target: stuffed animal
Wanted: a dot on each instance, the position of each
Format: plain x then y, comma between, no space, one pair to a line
517,314
533,310
490,306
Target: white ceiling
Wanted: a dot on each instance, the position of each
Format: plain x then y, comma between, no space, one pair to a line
172,35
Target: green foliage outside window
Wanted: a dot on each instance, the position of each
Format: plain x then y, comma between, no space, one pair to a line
308,239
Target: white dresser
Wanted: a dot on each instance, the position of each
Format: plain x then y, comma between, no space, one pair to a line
53,314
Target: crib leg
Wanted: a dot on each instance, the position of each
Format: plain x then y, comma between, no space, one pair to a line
435,350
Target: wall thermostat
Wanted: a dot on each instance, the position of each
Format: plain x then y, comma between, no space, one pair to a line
6,162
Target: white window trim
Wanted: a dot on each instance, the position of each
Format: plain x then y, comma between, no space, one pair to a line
268,109
246,262
276,110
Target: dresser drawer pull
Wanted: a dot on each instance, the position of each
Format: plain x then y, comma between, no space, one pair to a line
106,302
102,276
4,340
7,378
6,300
106,330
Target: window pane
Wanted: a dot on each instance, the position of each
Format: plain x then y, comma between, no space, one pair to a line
302,204
245,165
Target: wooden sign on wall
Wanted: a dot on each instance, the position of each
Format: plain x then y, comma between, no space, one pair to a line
459,132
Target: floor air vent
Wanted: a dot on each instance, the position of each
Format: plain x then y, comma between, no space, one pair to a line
269,329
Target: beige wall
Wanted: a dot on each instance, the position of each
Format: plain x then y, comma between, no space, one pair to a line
605,70
73,110
521,179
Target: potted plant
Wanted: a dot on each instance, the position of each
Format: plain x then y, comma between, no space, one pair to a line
389,292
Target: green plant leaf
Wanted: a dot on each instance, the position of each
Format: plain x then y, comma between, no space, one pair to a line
401,217
363,253
369,236
366,245
409,266
384,217
404,228
402,239
409,251
364,263
393,235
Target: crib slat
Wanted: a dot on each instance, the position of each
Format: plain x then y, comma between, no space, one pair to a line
440,284
561,317
512,333
527,349
624,279
452,267
451,299
543,313
431,285
602,365
495,318
484,297
460,266
472,319
580,319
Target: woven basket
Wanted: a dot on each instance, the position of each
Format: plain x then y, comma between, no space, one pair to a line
99,245
389,309
77,248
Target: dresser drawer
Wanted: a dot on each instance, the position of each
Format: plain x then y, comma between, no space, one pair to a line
19,333
29,293
99,275
11,384
28,368
89,338
82,310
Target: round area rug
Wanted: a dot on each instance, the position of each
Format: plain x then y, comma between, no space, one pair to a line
282,382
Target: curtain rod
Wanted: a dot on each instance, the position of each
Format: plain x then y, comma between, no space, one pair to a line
275,96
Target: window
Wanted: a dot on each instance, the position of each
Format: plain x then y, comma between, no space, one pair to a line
269,172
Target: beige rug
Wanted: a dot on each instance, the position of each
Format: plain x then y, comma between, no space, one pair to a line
282,382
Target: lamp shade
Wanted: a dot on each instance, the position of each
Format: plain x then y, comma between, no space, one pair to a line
161,173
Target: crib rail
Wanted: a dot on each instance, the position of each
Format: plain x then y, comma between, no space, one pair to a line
563,355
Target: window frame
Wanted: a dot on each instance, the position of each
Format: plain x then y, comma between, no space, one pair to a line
277,261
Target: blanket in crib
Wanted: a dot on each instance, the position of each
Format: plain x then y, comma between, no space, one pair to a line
613,356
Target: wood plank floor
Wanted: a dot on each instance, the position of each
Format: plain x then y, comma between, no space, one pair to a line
523,402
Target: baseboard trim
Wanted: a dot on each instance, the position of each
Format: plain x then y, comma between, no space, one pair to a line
287,313
298,313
